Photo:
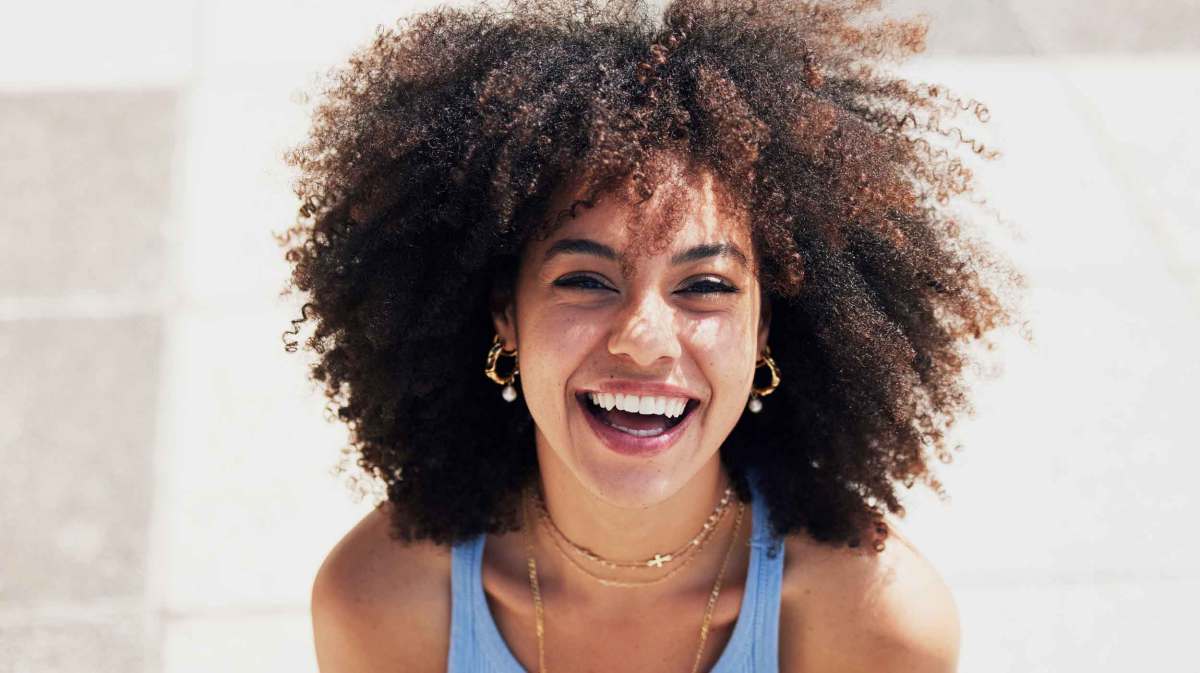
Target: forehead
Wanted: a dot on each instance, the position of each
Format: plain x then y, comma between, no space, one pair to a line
683,212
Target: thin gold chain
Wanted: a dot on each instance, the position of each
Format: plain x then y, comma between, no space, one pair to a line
695,551
539,623
656,561
712,599
539,616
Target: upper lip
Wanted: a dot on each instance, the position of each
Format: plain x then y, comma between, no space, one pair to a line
641,388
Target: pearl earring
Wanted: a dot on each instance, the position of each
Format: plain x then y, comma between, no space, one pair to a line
755,404
509,393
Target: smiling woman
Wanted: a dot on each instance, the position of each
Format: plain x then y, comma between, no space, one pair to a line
647,230
676,320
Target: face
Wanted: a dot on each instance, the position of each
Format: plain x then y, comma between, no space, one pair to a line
635,376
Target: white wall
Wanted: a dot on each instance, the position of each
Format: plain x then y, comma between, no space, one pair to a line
178,510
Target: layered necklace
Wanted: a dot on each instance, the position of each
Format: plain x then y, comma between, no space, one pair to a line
658,561
684,555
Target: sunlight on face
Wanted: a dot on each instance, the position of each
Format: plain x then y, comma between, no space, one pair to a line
683,324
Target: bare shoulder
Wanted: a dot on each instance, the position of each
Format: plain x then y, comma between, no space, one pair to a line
379,604
857,610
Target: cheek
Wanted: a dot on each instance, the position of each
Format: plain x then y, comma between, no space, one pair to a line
559,337
722,339
711,335
724,349
558,344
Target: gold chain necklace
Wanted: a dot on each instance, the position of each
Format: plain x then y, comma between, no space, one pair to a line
658,560
695,551
538,611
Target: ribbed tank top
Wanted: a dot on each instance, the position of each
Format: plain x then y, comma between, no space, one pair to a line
476,645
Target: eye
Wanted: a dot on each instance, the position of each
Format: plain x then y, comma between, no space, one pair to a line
704,286
709,286
581,283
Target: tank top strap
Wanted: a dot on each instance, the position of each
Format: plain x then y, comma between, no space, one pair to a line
476,645
763,537
769,577
463,654
754,645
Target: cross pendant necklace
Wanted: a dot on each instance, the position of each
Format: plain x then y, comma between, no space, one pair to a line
659,560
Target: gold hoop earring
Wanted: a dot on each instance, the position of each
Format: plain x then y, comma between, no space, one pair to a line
509,393
755,404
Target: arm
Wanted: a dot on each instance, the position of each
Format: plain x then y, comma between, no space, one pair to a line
919,632
858,612
379,605
341,633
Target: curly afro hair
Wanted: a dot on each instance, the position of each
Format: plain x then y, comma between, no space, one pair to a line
436,152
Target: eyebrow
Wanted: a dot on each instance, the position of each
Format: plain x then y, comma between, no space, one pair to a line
586,246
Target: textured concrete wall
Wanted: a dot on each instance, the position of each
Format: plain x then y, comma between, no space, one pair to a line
165,494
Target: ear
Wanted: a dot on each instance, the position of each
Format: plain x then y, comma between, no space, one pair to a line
504,315
764,323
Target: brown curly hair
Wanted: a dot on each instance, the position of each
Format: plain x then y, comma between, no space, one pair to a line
435,153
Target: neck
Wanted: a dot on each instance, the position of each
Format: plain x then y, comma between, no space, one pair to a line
628,520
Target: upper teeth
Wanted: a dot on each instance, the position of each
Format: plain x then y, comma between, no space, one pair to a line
640,404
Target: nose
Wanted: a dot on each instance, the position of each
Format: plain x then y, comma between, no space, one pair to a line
645,331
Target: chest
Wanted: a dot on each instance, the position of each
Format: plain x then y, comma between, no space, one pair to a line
665,639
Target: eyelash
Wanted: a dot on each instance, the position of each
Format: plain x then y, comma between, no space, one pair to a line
575,282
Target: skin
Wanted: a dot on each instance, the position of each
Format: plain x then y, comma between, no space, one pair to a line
380,605
578,323
582,321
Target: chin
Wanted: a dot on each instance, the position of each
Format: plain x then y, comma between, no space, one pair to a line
630,488
632,484
619,476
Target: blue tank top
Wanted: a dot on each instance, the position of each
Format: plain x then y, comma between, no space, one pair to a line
476,645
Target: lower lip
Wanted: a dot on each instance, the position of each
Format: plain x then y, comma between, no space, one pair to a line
629,445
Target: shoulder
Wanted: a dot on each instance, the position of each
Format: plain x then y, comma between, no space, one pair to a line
856,610
379,604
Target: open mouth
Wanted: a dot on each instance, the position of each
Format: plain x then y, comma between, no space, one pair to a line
653,416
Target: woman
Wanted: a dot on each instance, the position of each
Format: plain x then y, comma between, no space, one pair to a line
720,298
